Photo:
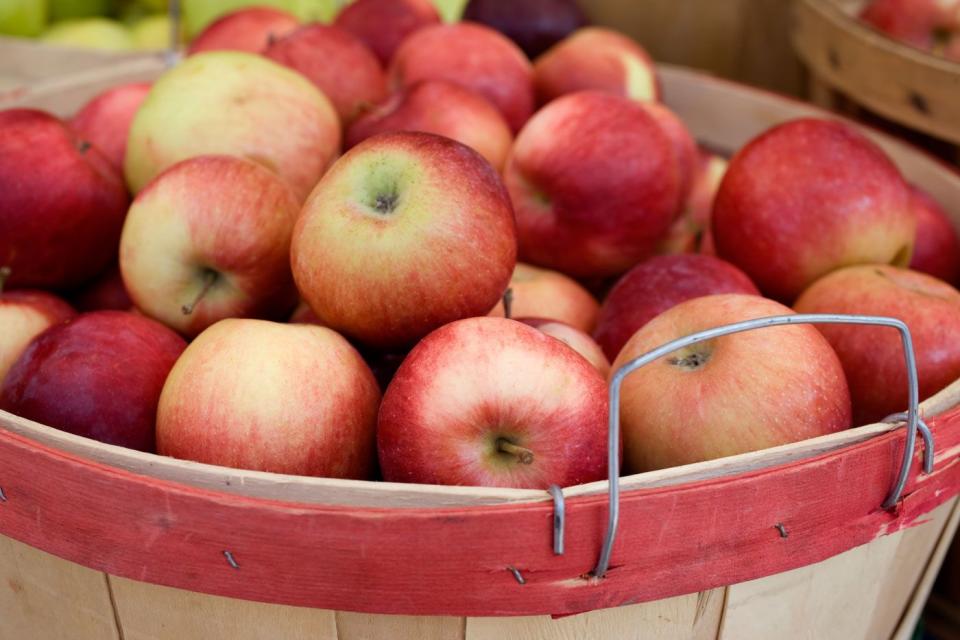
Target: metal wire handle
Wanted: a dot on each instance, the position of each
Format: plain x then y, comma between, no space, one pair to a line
613,438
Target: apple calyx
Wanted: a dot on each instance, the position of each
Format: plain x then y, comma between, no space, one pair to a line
508,303
209,279
522,454
83,146
386,203
5,272
691,361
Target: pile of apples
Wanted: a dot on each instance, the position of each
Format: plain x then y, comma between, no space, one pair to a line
931,25
378,249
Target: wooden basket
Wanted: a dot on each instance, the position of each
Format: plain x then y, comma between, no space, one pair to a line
103,542
901,83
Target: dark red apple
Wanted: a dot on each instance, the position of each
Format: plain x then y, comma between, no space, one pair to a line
535,25
493,402
937,248
384,24
105,293
338,63
62,203
98,375
658,284
474,57
105,120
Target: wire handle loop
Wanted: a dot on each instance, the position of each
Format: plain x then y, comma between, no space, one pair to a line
613,436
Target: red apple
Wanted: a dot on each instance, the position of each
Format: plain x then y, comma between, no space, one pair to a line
690,233
492,402
24,314
383,24
658,284
873,356
807,197
542,293
914,22
730,395
234,103
684,147
209,239
473,56
595,183
303,314
406,232
443,108
937,248
107,292
535,25
574,338
62,203
338,63
105,120
98,375
249,30
260,395
598,59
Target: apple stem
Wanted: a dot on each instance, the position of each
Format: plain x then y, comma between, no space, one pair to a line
209,278
4,274
524,455
508,303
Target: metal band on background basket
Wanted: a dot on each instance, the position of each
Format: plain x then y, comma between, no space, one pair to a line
172,55
911,417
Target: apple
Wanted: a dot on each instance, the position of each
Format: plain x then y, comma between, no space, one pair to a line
89,33
63,204
106,292
66,9
493,402
303,314
737,393
691,231
24,314
324,54
684,146
443,108
542,293
421,229
913,22
383,24
209,239
98,375
22,17
260,395
249,30
234,103
595,183
105,120
598,59
807,197
474,57
659,284
937,248
198,14
535,25
152,33
574,338
873,356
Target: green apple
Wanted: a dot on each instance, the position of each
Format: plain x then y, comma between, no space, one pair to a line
152,33
90,33
450,10
68,9
22,17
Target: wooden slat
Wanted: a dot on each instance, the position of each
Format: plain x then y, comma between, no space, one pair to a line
859,594
365,626
150,612
691,617
45,598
